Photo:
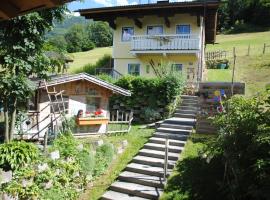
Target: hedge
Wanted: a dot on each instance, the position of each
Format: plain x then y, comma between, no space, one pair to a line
152,98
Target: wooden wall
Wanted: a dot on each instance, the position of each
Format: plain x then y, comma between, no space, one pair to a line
207,103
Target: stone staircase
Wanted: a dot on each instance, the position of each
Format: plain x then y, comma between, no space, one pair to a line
143,177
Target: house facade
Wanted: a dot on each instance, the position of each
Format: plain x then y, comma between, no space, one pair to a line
149,37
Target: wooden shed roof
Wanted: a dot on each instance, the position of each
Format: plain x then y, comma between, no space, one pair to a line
207,8
56,80
13,8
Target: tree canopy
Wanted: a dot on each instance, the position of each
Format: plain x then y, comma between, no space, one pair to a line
21,43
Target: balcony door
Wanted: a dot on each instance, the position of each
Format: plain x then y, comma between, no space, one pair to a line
154,30
183,30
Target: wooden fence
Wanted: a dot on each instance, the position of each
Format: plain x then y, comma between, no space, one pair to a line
216,55
208,104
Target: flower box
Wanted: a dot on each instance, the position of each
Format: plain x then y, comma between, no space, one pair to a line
84,121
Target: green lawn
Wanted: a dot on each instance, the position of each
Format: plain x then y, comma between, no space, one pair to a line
83,58
136,139
241,43
254,70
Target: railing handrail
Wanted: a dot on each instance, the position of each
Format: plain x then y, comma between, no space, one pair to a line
192,36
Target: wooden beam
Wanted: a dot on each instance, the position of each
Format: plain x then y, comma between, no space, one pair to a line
137,22
9,10
198,20
167,22
112,24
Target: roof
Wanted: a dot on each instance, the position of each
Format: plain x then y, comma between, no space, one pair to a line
56,80
13,8
207,8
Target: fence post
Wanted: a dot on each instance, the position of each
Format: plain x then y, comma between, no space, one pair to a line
248,50
234,61
264,47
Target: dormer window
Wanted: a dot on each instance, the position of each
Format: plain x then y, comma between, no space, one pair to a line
127,33
154,30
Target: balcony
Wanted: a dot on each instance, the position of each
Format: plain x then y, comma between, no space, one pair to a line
165,44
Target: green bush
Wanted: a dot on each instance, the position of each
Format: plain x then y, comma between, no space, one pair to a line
216,64
66,144
103,62
235,164
16,154
149,94
104,156
107,78
86,161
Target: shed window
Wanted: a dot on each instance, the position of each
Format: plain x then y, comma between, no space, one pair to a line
154,30
134,69
93,103
127,33
183,29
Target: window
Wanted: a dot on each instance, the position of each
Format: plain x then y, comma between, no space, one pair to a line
177,67
183,29
154,30
147,69
58,104
134,69
92,103
127,33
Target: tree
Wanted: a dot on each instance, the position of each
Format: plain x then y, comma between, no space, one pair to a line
256,12
74,38
21,42
77,40
57,43
100,33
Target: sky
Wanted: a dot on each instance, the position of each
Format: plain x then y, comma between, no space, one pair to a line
84,4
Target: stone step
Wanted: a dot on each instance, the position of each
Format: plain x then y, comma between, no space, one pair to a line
195,101
158,154
176,126
171,141
171,136
142,179
187,108
190,104
189,97
186,111
146,169
161,147
180,121
137,189
173,130
191,116
155,162
112,195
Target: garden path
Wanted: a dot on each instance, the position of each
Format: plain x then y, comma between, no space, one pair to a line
143,177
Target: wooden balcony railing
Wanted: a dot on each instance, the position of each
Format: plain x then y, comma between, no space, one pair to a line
165,42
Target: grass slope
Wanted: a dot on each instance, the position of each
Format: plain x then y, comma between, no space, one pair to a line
87,57
254,69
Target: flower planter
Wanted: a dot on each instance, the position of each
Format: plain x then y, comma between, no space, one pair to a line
83,121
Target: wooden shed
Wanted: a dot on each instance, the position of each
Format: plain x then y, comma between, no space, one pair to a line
82,96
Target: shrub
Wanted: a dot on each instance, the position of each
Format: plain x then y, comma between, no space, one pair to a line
104,156
16,154
217,64
235,164
86,161
66,144
156,94
151,115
